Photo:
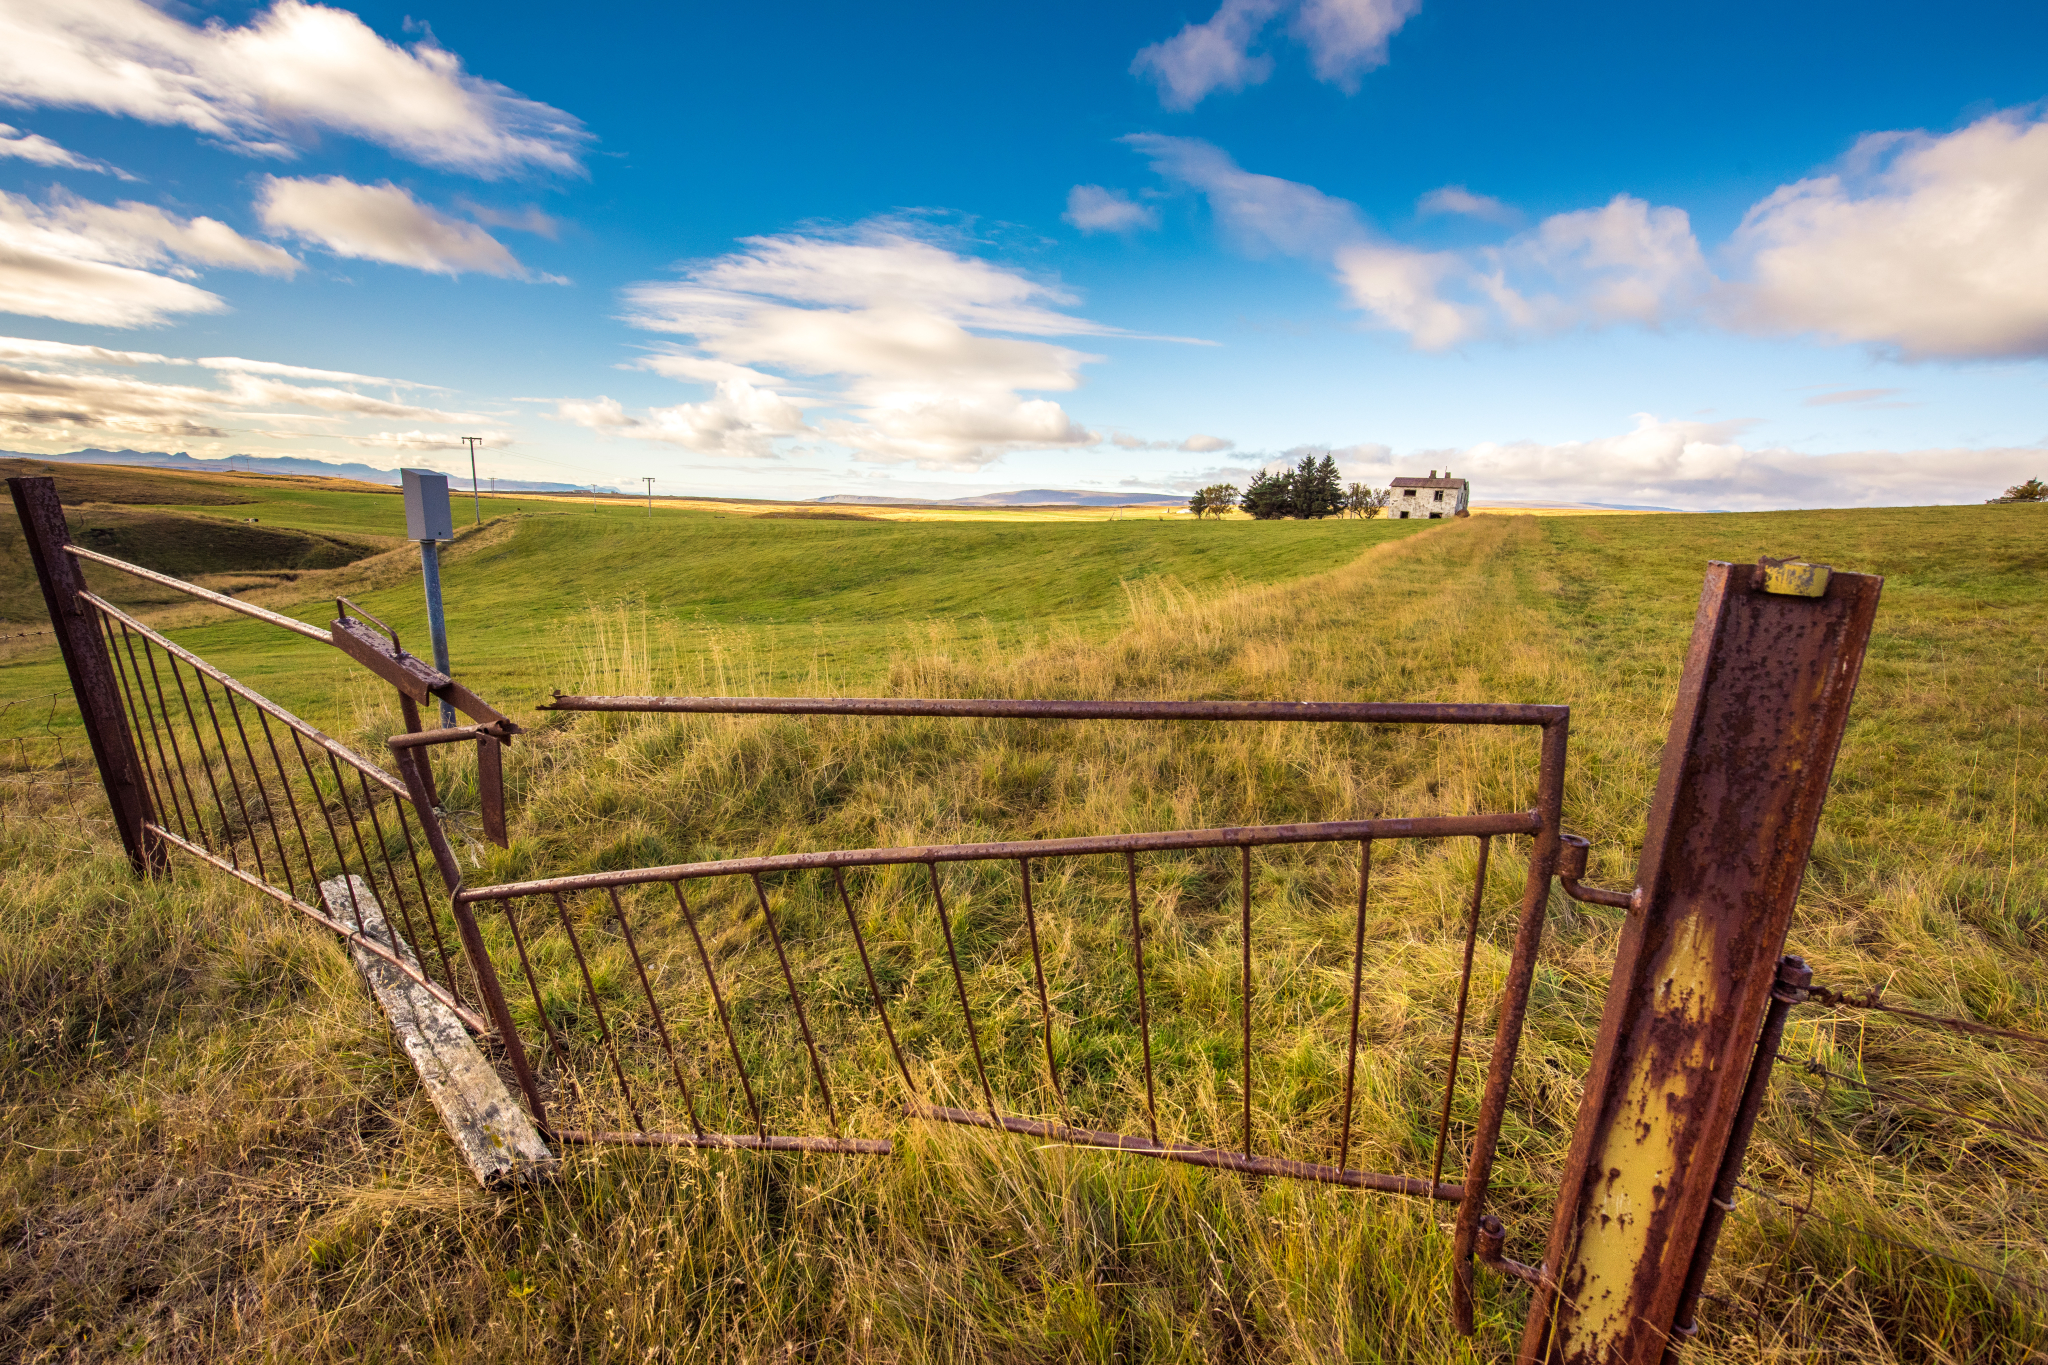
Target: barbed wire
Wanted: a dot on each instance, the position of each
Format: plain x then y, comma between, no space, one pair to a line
1814,1068
1868,1000
1807,1210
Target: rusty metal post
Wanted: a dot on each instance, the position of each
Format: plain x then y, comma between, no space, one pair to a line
1794,976
1776,650
91,670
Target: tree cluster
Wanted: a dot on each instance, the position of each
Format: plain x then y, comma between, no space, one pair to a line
1217,498
2033,490
1310,489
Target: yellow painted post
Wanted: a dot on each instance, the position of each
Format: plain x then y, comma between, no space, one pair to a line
1775,655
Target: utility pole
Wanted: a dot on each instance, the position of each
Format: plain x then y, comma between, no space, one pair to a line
650,494
475,505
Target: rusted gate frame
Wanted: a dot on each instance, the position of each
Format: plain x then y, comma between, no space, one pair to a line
1762,706
413,680
154,710
1542,823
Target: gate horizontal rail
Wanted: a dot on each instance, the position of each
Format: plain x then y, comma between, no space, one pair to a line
1246,836
1370,712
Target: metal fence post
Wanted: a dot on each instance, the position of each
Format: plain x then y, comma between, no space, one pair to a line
92,672
1776,650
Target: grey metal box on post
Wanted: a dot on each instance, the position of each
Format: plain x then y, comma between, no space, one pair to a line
428,521
426,505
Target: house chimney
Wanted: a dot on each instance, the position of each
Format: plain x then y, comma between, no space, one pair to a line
1432,473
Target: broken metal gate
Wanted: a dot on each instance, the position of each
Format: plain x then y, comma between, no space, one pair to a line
195,761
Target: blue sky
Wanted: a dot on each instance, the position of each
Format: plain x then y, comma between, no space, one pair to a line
1719,256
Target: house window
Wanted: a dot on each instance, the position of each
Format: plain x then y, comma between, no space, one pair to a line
1404,516
1408,493
1439,495
1436,516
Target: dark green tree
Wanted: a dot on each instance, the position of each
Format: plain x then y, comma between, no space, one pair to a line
2033,490
1318,489
1269,497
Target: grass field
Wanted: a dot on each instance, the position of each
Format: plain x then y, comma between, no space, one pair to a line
216,1151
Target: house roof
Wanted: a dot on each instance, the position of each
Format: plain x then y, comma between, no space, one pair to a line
1429,483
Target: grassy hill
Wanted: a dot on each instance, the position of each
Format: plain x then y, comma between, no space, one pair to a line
219,1153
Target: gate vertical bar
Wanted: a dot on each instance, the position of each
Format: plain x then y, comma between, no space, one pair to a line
1514,1007
1762,706
92,672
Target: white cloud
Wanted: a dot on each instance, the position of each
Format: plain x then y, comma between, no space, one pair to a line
1402,288
678,365
66,394
740,420
421,440
1706,465
893,329
1206,445
247,390
1259,214
1092,208
1345,39
85,262
1933,246
292,70
380,222
36,148
282,371
1626,262
33,402
64,352
1459,201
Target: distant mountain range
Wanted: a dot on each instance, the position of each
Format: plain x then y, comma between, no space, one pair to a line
276,464
1026,497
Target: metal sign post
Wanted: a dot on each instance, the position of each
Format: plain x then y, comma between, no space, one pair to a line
428,521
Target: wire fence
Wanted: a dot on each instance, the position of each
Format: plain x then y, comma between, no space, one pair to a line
1808,1096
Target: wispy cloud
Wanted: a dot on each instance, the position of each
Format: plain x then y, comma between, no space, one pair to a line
1344,38
1923,246
80,261
920,353
1872,398
57,391
34,147
1260,215
384,223
1457,201
261,87
1092,208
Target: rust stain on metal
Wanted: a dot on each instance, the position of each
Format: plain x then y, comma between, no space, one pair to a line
1760,715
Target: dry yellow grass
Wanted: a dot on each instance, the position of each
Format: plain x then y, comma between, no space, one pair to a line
215,1152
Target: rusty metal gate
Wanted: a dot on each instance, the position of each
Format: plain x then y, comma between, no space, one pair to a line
659,1095
198,763
650,1041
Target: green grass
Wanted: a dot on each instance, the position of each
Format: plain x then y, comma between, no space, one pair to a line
824,599
219,1153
